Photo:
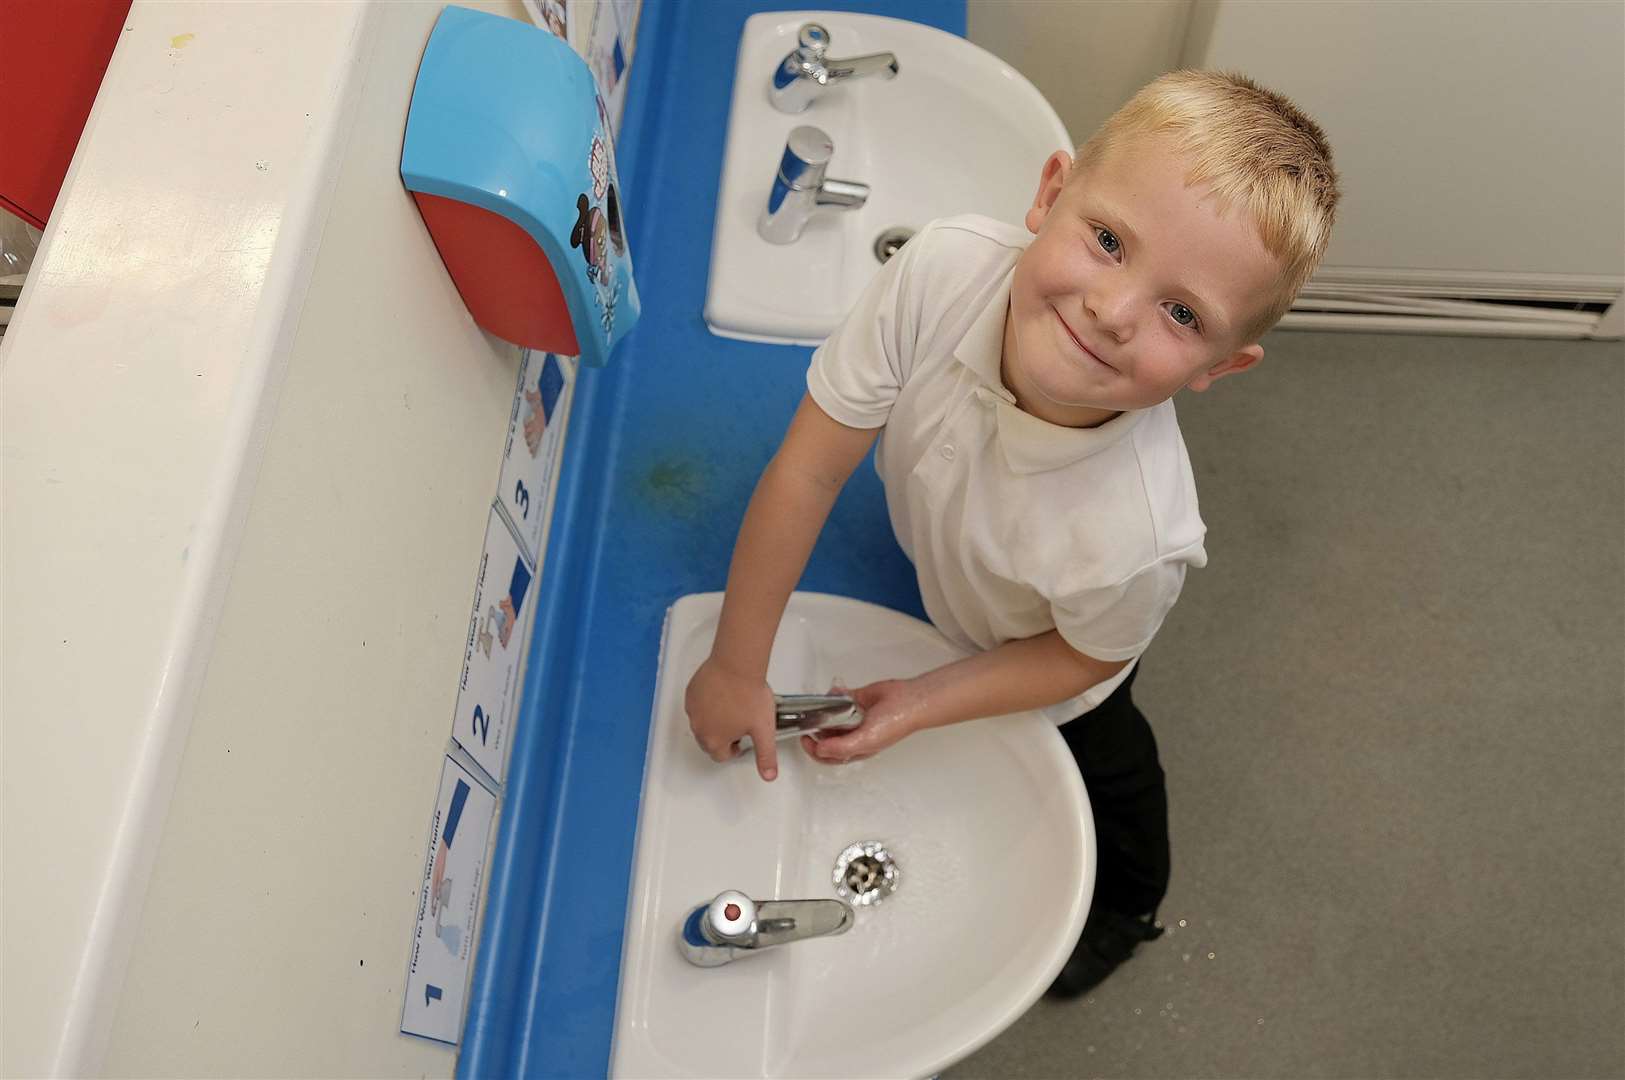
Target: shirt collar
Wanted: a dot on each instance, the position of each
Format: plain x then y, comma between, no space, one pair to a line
1030,445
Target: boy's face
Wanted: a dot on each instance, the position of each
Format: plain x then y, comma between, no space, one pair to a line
1134,287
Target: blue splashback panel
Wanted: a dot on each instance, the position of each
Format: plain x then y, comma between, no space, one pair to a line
664,449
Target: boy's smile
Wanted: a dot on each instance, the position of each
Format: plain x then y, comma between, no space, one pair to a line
1134,287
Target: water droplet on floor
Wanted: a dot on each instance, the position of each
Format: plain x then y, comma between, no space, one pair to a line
1136,1012
1260,1019
1210,956
1181,922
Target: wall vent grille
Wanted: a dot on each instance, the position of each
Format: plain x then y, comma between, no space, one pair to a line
1430,302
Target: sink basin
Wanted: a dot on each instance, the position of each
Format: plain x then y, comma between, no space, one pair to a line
987,822
957,131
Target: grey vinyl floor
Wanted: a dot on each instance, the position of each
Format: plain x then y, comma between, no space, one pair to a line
1392,714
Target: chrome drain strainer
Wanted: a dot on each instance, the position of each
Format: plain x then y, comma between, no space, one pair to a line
865,873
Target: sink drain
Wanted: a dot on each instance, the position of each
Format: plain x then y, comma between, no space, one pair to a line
891,241
865,873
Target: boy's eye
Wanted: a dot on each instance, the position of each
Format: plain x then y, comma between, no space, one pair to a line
1108,241
1183,315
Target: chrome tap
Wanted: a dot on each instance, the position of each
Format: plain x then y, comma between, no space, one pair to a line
800,187
810,714
733,926
806,72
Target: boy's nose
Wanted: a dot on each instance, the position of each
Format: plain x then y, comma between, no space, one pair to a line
1112,313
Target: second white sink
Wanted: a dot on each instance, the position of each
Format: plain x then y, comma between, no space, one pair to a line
957,131
988,823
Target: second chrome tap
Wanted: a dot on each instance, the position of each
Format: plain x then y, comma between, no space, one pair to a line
800,187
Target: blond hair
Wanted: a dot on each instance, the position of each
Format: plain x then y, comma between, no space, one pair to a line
1249,145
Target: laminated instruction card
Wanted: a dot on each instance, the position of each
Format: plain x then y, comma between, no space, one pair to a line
437,978
504,608
530,458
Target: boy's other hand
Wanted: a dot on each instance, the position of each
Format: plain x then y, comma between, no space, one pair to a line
892,710
723,705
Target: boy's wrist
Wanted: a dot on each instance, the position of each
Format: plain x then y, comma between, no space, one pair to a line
736,667
927,699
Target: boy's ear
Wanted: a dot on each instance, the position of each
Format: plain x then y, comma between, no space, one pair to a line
1230,365
1057,167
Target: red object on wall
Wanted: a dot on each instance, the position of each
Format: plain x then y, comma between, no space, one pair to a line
505,280
53,54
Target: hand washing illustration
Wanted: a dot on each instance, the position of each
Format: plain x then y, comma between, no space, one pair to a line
535,425
501,619
440,886
540,402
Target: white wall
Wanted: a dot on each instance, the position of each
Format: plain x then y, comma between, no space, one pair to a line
1471,135
1086,56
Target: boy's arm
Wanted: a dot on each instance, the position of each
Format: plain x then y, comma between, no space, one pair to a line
1016,676
728,697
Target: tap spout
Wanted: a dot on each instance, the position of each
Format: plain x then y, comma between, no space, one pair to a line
881,64
807,71
734,926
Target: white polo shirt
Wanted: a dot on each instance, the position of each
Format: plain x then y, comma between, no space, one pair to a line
1015,526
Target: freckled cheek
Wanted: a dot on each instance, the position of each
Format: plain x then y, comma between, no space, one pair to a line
1050,274
1172,370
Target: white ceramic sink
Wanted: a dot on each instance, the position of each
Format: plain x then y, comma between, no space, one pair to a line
987,821
957,131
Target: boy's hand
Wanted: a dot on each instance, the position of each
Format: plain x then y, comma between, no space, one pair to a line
892,710
724,705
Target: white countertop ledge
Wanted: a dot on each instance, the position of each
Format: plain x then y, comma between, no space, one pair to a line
140,376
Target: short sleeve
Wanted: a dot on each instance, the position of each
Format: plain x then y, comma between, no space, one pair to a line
856,374
1118,621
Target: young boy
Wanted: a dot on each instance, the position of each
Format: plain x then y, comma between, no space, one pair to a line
1020,384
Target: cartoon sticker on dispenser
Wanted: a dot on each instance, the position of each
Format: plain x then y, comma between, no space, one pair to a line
448,906
598,231
592,230
591,234
602,140
535,446
598,165
487,696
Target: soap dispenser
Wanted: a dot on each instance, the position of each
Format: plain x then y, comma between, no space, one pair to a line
509,157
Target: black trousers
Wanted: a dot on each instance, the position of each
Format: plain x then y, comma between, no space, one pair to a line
1117,755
